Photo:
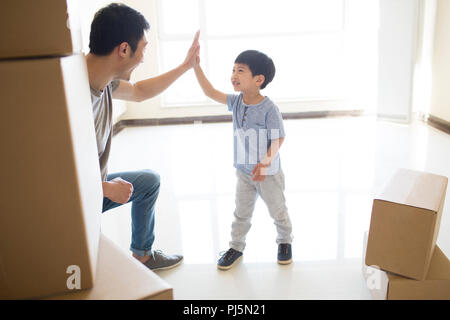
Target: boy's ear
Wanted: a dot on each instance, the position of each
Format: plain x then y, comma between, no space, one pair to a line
260,80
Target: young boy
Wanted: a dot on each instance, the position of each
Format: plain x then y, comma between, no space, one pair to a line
259,132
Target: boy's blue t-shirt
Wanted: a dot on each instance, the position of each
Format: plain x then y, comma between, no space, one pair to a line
254,127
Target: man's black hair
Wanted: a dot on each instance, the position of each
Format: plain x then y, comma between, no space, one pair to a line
114,24
258,63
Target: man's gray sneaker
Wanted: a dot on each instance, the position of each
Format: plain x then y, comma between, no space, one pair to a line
161,261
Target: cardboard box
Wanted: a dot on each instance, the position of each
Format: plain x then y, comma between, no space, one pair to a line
39,28
405,223
121,277
51,193
386,285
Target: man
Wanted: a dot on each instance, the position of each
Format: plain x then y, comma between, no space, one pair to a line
117,46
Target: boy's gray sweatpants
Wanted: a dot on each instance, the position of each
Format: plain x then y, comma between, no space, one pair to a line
271,191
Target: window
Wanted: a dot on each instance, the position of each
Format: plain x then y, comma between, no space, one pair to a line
312,43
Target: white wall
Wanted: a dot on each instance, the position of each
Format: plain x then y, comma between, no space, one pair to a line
440,103
424,59
397,53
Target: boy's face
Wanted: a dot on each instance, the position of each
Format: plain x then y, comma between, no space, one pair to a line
243,80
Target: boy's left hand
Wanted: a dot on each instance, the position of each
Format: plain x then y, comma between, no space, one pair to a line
259,172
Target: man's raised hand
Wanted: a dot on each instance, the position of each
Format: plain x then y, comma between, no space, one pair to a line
192,57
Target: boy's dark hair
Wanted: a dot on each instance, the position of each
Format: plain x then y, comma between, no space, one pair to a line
258,63
114,24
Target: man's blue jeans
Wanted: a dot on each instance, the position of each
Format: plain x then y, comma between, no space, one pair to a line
146,189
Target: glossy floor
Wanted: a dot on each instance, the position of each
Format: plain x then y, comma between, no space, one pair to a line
333,169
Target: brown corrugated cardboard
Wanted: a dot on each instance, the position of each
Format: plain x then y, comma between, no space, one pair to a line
405,223
376,280
51,195
38,28
386,285
121,277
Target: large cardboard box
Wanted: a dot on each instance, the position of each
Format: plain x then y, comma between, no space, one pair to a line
405,223
51,193
39,28
121,277
386,285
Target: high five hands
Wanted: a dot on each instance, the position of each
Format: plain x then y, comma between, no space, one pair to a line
193,55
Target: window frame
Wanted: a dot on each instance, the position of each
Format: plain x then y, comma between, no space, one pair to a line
206,37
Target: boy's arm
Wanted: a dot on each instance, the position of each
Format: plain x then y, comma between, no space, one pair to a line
275,146
207,88
260,170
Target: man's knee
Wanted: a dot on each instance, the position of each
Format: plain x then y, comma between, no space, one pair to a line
151,176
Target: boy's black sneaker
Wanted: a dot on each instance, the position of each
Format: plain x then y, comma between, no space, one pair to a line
229,259
284,253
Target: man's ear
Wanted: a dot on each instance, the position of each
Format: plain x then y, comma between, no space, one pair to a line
124,47
260,80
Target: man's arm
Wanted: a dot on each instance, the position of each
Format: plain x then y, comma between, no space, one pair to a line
150,88
207,87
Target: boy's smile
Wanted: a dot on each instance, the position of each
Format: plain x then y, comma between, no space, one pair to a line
242,78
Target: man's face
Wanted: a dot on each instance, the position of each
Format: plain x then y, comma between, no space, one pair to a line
133,59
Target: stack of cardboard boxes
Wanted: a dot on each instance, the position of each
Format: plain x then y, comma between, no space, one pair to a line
51,193
402,260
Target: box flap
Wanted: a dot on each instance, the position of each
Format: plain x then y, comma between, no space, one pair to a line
416,189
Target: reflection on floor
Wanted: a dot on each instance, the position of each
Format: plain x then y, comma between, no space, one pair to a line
333,167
